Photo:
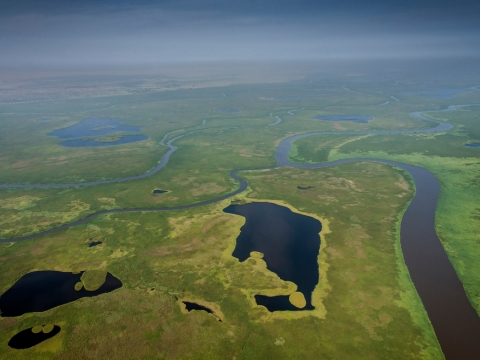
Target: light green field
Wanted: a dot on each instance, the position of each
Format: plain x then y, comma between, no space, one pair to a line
366,305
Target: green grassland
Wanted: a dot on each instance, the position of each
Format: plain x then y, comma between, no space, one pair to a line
366,305
162,257
456,167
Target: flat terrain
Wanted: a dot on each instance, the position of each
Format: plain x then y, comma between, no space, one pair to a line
365,303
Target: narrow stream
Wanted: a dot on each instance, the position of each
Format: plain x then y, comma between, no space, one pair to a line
455,321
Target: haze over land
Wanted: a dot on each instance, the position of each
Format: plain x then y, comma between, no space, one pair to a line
104,32
243,179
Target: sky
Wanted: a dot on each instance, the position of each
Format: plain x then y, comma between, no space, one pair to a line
129,32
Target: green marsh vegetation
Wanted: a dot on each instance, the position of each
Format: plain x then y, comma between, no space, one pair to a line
456,167
366,305
162,258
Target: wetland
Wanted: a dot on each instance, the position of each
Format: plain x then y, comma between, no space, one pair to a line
181,249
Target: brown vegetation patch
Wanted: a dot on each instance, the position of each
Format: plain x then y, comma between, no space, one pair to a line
334,253
212,223
353,239
207,189
22,164
174,249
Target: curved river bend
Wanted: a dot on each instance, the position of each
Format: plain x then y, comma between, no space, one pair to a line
455,321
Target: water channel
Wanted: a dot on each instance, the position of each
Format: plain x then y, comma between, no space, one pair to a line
455,321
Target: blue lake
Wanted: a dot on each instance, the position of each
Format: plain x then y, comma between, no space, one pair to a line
473,145
290,243
350,117
95,127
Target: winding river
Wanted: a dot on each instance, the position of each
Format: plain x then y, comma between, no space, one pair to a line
454,320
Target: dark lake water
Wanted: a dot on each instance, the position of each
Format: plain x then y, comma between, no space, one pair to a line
305,187
91,142
26,338
473,145
290,243
94,127
354,118
94,243
194,306
159,191
43,290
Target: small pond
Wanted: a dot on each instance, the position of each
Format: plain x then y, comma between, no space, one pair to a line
351,117
43,290
94,243
290,243
473,145
194,306
159,191
305,187
33,336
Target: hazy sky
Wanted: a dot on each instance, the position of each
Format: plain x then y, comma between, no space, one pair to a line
122,31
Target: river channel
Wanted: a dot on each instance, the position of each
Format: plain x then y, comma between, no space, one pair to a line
455,321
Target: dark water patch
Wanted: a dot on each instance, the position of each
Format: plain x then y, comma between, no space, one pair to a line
93,127
94,143
27,338
194,306
94,243
290,243
277,303
355,118
473,145
305,187
43,290
159,191
43,120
